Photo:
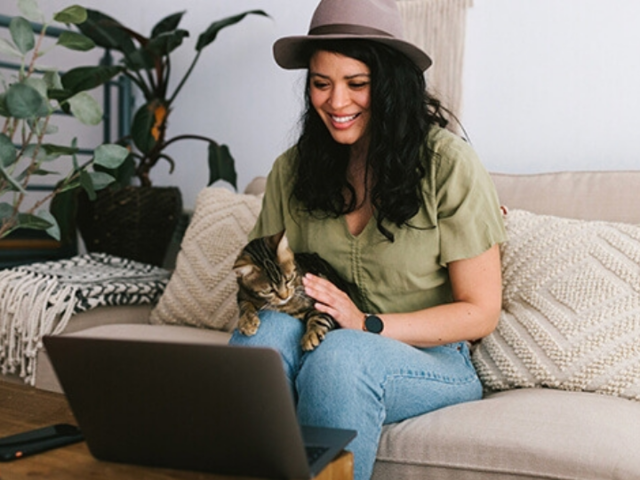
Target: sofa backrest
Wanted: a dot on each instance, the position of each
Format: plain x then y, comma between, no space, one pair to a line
599,195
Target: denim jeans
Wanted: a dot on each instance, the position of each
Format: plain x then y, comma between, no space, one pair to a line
362,381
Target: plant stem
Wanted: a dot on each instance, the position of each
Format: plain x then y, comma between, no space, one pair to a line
32,65
184,79
34,160
139,81
186,137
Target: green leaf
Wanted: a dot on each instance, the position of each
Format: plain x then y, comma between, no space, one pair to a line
110,155
69,186
63,207
74,157
34,222
39,84
141,126
167,24
44,173
6,210
34,151
75,41
140,59
39,126
210,34
8,152
4,111
123,174
106,32
51,149
74,14
85,108
30,9
41,87
221,165
22,34
54,229
8,48
60,95
85,78
24,101
165,43
15,186
87,184
52,80
101,180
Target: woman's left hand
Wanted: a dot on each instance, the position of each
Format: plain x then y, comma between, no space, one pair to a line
330,299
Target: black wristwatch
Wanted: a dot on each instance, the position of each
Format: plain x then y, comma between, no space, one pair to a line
373,324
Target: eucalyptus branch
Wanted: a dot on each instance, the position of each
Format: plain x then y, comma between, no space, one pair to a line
5,127
8,225
32,65
33,163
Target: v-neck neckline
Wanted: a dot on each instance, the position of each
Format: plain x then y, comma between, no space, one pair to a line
353,236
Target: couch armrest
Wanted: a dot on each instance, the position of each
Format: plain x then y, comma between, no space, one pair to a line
109,315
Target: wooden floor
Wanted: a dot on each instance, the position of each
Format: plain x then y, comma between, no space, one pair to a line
24,408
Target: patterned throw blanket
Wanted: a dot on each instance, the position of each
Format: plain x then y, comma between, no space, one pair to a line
39,299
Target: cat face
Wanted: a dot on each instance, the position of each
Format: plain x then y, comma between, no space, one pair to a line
266,268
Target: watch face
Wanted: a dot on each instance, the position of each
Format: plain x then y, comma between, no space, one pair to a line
373,324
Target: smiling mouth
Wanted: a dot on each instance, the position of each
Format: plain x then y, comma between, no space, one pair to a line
344,119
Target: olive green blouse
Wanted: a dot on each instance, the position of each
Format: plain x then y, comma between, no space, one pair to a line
460,218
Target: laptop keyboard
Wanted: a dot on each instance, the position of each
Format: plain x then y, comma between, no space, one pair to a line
314,452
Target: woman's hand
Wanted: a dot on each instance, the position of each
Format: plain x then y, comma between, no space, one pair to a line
330,299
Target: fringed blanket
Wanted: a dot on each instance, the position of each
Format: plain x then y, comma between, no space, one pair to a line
39,299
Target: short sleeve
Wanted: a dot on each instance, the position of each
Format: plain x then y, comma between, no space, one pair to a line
279,183
469,216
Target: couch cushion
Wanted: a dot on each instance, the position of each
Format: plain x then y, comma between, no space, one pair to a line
571,307
156,333
202,290
509,435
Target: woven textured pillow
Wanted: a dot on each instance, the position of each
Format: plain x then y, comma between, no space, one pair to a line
202,290
571,308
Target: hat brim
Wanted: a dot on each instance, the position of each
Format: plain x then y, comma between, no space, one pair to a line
290,52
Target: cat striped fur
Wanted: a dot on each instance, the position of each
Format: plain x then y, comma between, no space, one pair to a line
270,276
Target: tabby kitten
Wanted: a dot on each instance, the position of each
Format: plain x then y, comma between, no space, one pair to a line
270,276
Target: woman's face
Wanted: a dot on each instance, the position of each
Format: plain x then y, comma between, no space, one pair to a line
340,89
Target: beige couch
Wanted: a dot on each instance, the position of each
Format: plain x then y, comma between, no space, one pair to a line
564,432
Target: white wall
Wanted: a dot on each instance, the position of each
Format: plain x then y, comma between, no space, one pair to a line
549,84
554,84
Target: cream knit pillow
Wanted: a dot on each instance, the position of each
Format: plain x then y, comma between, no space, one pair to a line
202,290
571,308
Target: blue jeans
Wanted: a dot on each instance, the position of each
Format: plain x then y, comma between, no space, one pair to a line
361,381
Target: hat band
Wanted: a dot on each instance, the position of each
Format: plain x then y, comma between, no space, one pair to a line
346,29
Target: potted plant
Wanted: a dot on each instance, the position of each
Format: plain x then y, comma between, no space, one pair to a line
146,60
28,101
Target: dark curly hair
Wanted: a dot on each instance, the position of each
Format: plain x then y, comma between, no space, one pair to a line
402,112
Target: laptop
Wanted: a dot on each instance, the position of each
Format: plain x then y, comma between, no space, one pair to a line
214,408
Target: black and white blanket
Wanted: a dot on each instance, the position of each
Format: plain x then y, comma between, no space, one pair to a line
41,298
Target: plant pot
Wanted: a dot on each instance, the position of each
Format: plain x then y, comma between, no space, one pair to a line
132,222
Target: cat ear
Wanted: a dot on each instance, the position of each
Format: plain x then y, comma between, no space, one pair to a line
284,252
274,240
242,267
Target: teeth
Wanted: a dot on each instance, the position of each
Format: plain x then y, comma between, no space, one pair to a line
343,119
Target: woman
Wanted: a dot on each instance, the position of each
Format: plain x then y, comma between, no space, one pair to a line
399,206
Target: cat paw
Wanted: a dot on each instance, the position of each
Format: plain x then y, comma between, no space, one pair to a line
248,325
311,340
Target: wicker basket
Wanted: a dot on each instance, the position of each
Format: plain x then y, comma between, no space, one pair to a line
133,222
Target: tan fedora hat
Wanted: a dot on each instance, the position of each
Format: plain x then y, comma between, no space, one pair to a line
377,20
